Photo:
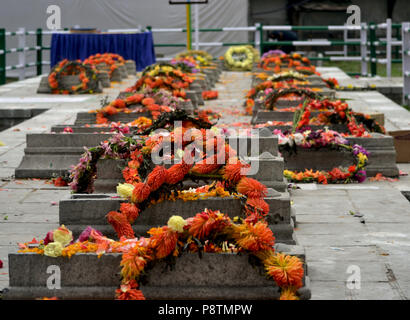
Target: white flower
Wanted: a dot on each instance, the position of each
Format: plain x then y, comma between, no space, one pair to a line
298,137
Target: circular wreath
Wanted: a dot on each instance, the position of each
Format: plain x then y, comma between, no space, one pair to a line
239,58
272,97
86,75
202,57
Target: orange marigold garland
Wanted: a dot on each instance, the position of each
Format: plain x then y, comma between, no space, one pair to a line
120,224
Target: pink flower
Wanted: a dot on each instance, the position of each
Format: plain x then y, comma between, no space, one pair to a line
87,233
48,238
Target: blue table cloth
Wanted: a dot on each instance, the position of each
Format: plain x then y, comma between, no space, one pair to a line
135,46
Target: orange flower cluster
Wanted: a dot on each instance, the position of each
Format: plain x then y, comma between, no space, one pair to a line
111,60
146,104
209,95
175,82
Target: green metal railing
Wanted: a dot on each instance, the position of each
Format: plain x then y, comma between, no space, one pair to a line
372,42
38,48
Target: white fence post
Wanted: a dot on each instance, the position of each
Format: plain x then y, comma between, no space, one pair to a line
345,38
388,47
196,11
257,36
363,49
405,29
22,54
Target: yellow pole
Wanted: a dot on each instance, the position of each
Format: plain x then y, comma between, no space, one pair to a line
188,27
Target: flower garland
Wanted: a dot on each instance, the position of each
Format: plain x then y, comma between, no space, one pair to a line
324,139
154,102
203,58
86,74
239,58
334,112
223,165
119,146
208,232
186,64
111,60
270,99
174,81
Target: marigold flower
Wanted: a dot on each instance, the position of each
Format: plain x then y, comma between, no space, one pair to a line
177,223
288,294
141,192
118,103
251,188
235,171
130,210
254,237
285,270
257,204
133,262
207,165
110,110
147,101
124,190
129,294
62,235
202,224
53,249
177,173
162,241
157,177
120,224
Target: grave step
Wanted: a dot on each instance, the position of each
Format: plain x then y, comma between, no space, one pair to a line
81,210
85,276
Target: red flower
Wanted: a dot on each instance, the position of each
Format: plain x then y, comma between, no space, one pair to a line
163,241
148,101
157,177
177,173
251,188
202,224
60,182
136,98
1,264
257,204
130,210
286,270
233,172
141,192
120,224
118,103
254,237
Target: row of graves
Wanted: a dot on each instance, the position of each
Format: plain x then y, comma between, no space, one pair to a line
88,76
165,204
162,204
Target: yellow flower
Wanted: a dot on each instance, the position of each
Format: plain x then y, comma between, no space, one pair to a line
362,158
176,223
53,249
62,235
124,190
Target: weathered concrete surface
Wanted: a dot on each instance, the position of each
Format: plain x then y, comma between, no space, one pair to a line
375,242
